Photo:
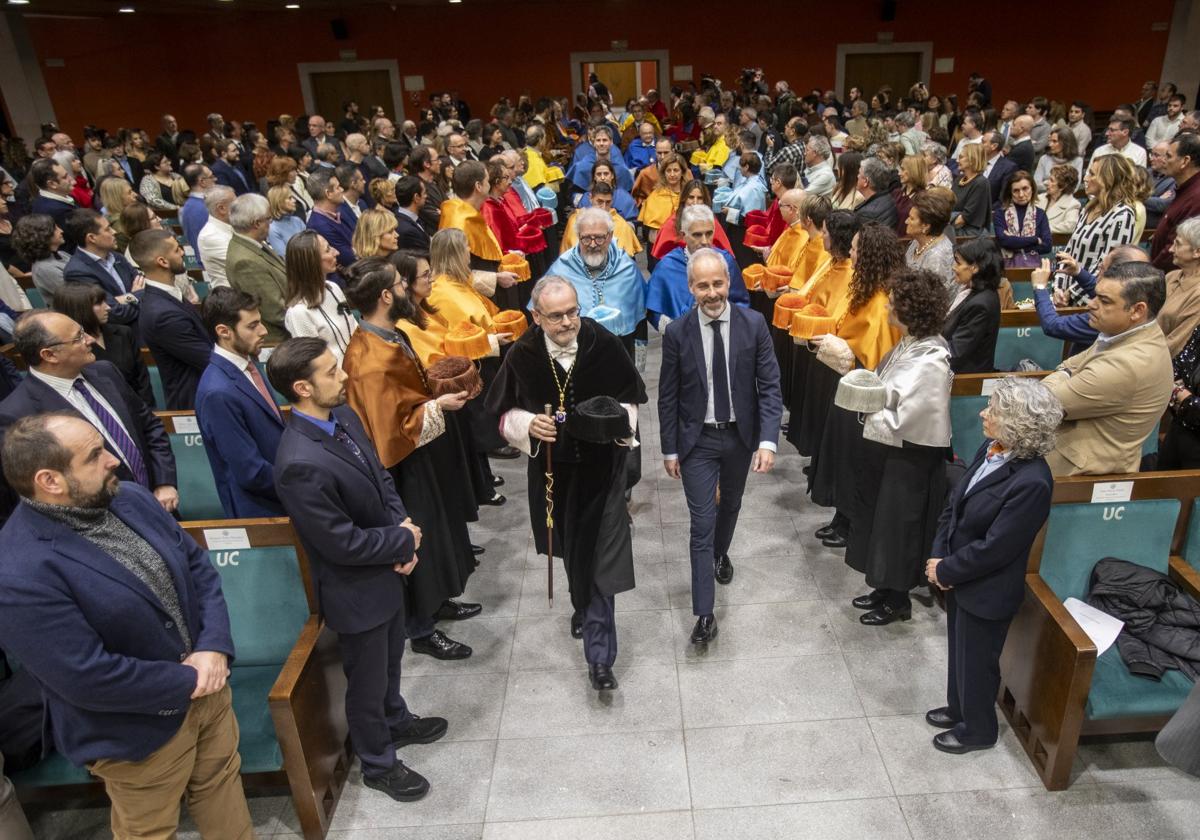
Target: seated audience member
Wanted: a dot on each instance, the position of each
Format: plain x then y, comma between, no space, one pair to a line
316,306
52,187
113,343
213,241
285,224
328,215
1181,162
383,194
1022,229
410,201
818,167
193,215
39,241
376,234
1162,186
1059,201
877,205
1075,327
97,261
973,322
252,266
930,248
1061,150
238,418
1119,135
143,702
139,217
981,550
170,325
914,179
601,198
227,169
115,195
972,195
64,375
667,291
1180,314
1115,392
1108,220
845,194
935,162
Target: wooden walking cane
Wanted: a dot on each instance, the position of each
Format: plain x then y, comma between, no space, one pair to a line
549,516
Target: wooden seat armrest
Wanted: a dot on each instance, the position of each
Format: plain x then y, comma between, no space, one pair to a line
1184,575
1070,628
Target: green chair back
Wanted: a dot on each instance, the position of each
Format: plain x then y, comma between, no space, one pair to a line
1022,289
156,385
264,594
198,497
36,299
966,427
1016,343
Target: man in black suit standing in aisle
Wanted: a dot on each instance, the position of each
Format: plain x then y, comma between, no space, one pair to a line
357,533
410,199
719,408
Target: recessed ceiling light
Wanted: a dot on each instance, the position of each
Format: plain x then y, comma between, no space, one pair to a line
292,6
455,1
18,2
126,10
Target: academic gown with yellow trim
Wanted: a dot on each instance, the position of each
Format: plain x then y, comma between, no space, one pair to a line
659,206
538,172
481,242
459,302
623,235
712,158
429,343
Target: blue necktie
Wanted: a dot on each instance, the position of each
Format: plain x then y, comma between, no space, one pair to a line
343,437
129,451
720,376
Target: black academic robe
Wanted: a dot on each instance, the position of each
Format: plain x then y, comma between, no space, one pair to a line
591,525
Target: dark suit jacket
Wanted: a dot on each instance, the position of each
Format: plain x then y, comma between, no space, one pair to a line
81,268
181,345
231,176
880,207
372,167
169,148
251,268
984,536
348,519
998,177
121,349
241,436
33,396
1021,155
55,209
683,382
411,234
111,675
971,331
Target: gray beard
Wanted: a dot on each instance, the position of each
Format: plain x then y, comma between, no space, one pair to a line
595,261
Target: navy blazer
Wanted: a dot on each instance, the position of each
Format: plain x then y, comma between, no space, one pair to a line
81,268
683,382
57,210
1001,172
230,176
348,519
99,642
984,537
241,436
33,396
412,235
176,335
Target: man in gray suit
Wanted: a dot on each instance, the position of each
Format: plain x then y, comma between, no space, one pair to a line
253,267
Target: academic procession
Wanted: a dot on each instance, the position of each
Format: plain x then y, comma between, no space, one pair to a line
778,445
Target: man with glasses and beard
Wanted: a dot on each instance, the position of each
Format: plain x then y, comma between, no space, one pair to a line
119,616
566,361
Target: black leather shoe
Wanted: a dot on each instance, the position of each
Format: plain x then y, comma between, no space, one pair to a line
400,783
440,646
869,601
948,742
884,614
419,730
496,500
477,549
834,540
602,677
723,569
705,630
497,481
940,717
577,625
457,611
505,452
825,531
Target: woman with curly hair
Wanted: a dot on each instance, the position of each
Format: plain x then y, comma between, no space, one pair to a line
863,335
899,461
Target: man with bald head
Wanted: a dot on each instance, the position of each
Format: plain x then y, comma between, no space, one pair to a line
119,616
1020,148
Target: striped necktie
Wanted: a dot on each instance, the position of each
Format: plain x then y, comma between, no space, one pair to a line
128,449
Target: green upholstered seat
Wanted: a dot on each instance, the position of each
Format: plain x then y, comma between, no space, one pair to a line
156,385
1191,543
1016,343
1022,290
258,746
50,771
966,427
198,497
1117,693
36,299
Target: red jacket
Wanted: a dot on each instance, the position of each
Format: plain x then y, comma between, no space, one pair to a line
511,235
1185,206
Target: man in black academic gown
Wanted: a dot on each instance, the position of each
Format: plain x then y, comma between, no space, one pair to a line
564,361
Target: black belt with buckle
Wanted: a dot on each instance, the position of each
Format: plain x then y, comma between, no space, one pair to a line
720,427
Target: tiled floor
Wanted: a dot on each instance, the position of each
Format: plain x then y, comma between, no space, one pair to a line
798,724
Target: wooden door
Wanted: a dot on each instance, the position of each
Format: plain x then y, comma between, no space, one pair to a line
871,71
619,76
366,87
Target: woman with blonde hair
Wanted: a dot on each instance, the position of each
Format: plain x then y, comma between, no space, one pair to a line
972,214
914,178
284,172
375,235
115,195
1108,220
316,306
383,193
663,200
284,222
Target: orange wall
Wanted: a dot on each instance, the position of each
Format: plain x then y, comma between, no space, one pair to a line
126,70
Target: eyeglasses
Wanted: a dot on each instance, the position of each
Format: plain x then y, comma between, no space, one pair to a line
81,338
559,317
595,240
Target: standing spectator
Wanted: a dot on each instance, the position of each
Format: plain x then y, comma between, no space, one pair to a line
1061,149
930,248
1167,126
935,162
972,195
193,215
212,243
818,171
39,241
1180,314
159,184
285,223
227,169
410,200
329,215
139,217
252,266
1119,135
315,305
1022,229
1107,221
97,261
874,181
1162,186
52,185
1059,201
376,235
973,322
1182,162
997,168
1079,117
142,702
1039,131
845,195
113,343
1020,144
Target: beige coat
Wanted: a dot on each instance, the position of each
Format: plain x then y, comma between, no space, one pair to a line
1180,315
1114,399
251,268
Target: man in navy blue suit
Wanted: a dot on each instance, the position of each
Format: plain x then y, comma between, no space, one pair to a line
999,168
169,325
98,262
719,408
362,544
64,375
119,617
238,418
227,171
53,198
410,199
981,551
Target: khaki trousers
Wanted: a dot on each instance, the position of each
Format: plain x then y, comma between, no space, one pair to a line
200,764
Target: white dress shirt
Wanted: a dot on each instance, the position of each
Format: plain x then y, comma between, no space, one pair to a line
173,290
66,389
237,360
213,243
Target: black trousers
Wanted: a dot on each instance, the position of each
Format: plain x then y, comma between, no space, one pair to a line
374,706
975,644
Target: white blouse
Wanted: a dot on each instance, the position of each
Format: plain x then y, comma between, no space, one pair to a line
332,320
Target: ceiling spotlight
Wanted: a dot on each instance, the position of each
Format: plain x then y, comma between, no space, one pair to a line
455,1
18,2
126,10
292,6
